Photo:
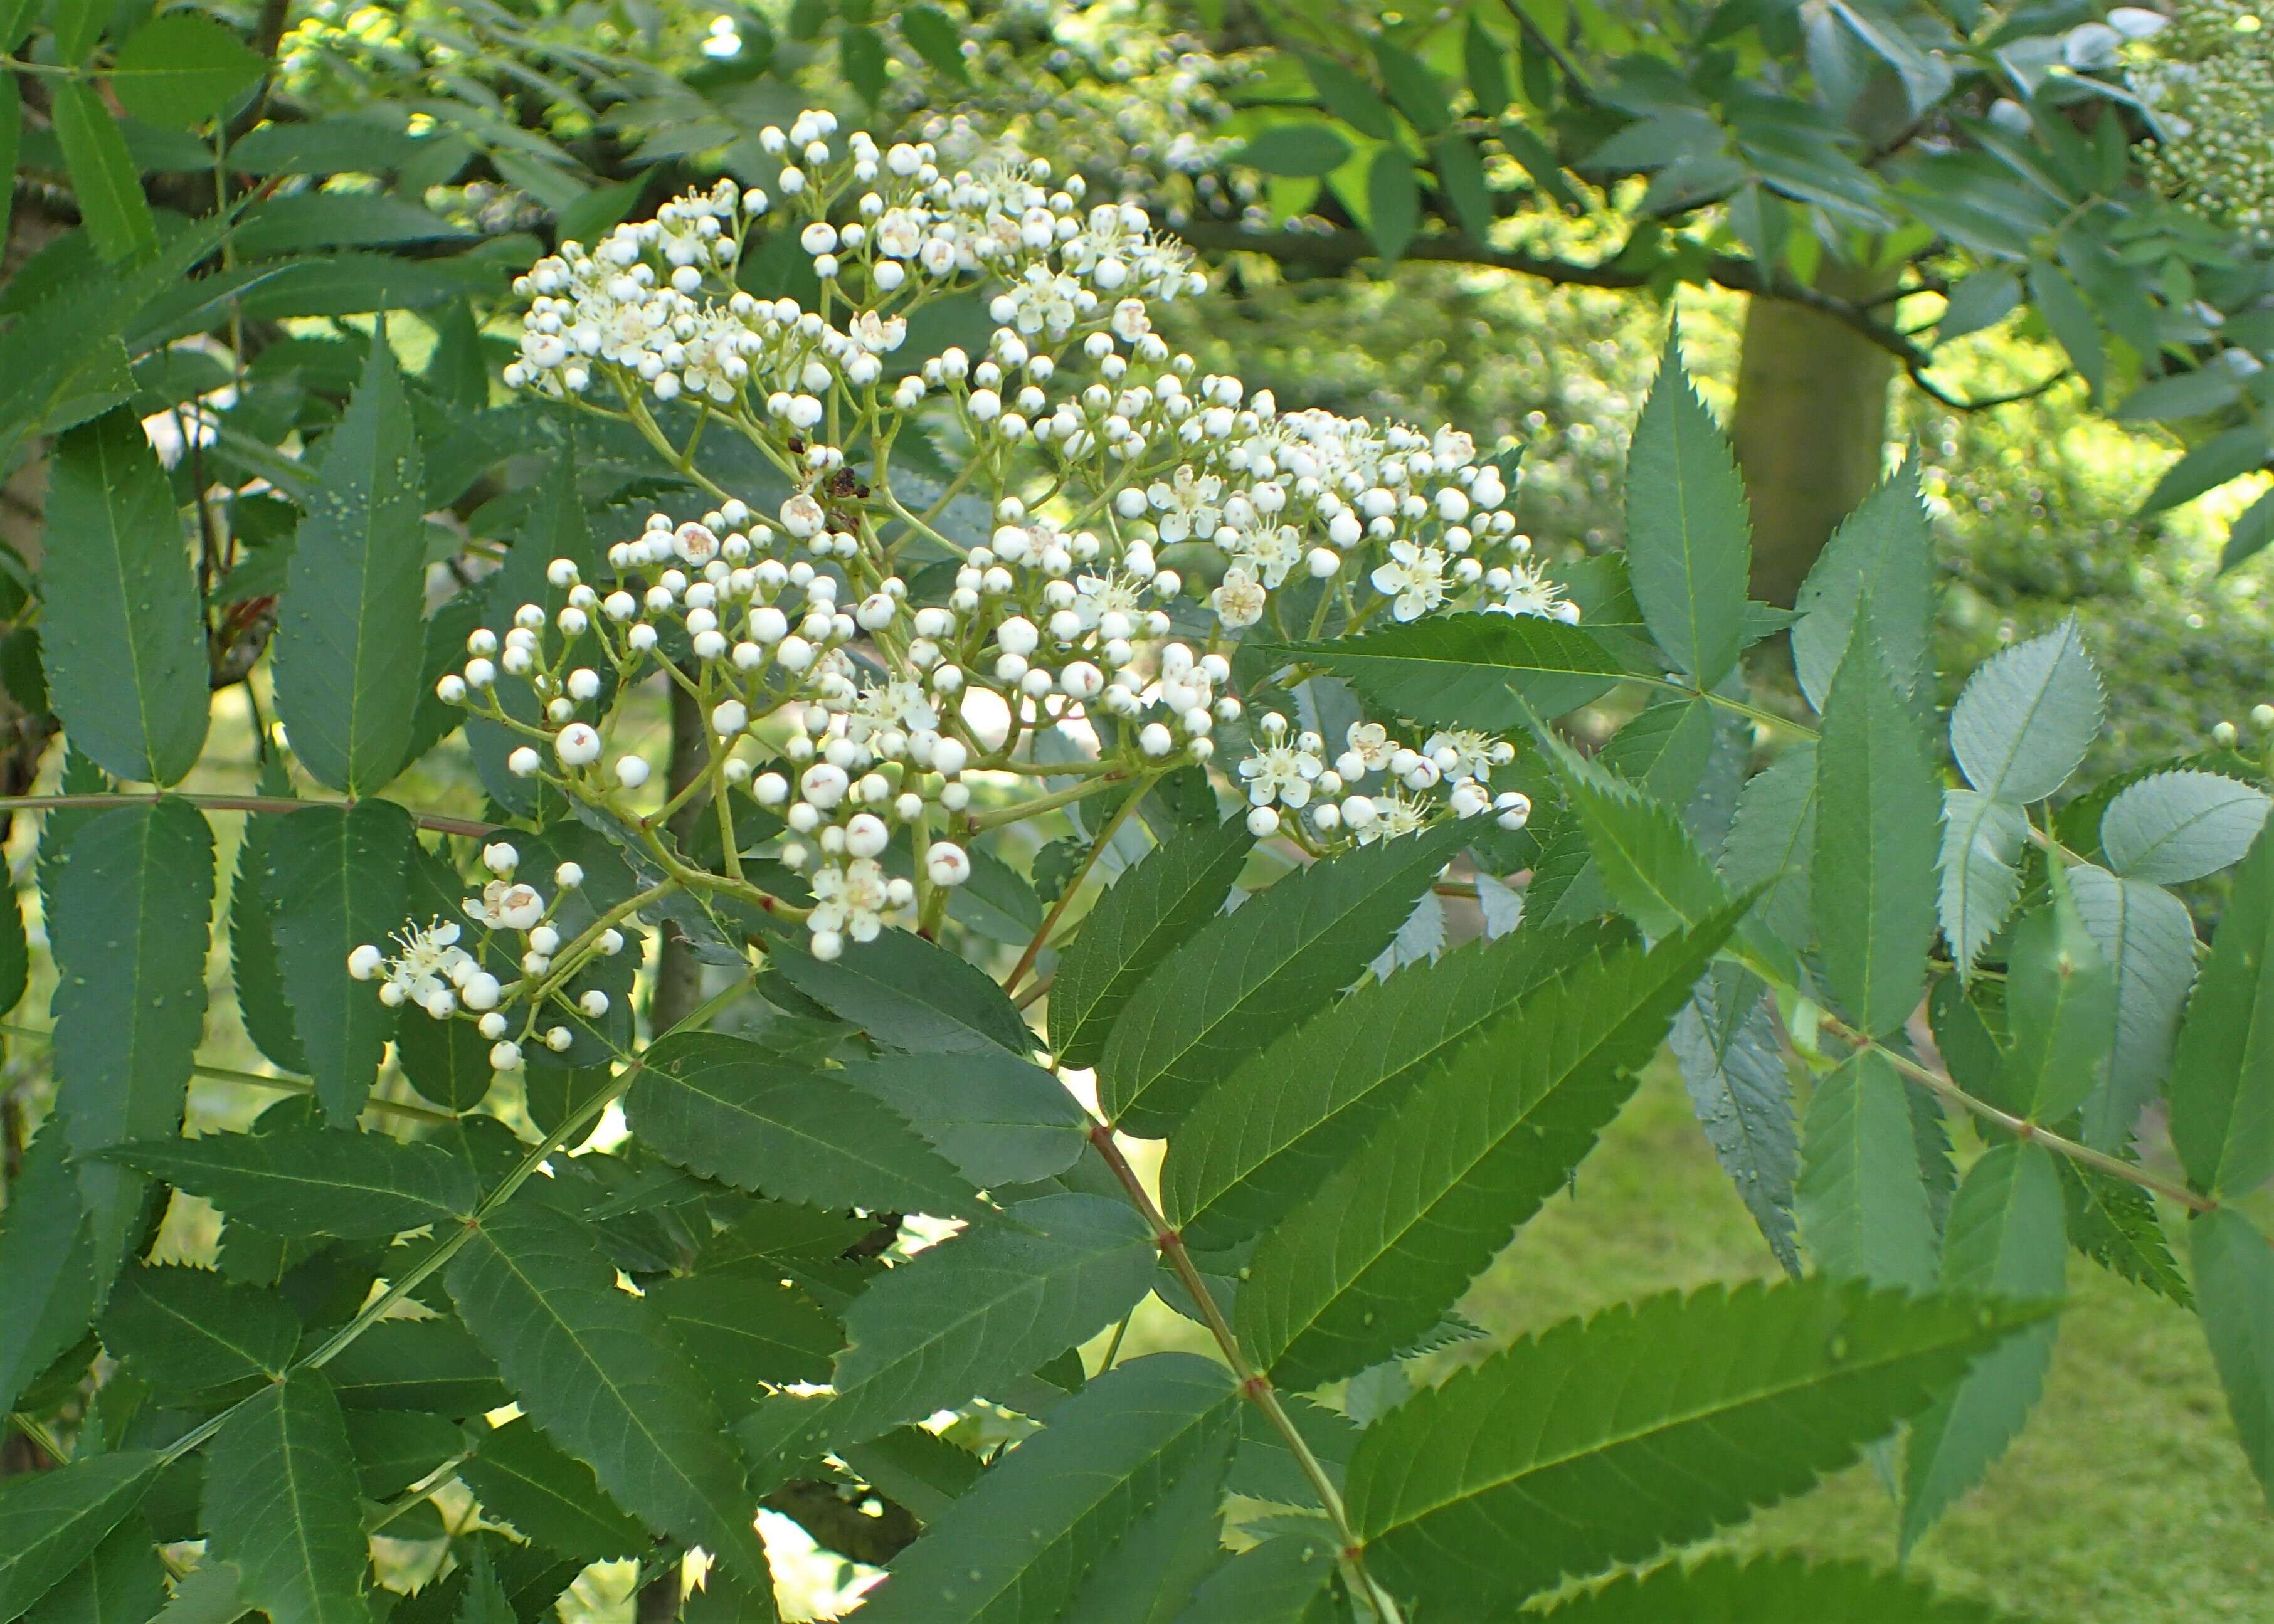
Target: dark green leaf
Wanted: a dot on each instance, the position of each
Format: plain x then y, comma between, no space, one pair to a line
2004,1239
1151,911
591,1366
122,1582
551,1498
104,181
747,1329
1016,1549
1980,300
1393,202
2060,1006
186,1328
181,68
121,639
1264,1138
1688,538
1769,1590
1771,841
861,56
1461,172
2027,716
485,1601
1487,69
321,1181
395,1448
256,973
907,994
354,601
281,1505
1349,97
336,879
51,1521
2181,395
1413,87
1644,851
1303,151
2112,1221
47,1276
934,37
2223,457
1662,1410
1249,976
999,1119
1883,552
2234,1293
1863,1203
126,920
1726,1042
1286,1580
2251,533
1879,812
1172,1543
2222,1086
731,1109
2070,320
973,1312
1367,1263
1483,671
429,1365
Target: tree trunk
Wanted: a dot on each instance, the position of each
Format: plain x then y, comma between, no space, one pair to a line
1810,426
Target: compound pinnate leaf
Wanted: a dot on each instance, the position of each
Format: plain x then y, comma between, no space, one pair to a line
550,1497
1262,1139
1771,841
2179,826
256,973
47,1266
733,1109
1365,1264
1882,552
126,920
2004,1237
593,1367
1145,1576
909,994
354,604
747,1329
1648,859
281,1505
1672,1416
105,183
425,1364
1862,1201
2027,715
122,1582
336,879
1725,1041
121,637
2060,1007
1689,537
987,1307
1149,912
186,1328
2148,940
1249,976
313,1181
999,1119
1771,1589
1017,1548
182,68
1286,1580
1982,842
51,1521
1489,670
2222,1087
1879,812
2235,1294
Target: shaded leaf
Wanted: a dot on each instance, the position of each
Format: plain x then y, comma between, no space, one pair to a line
51,1521
550,1497
1725,1041
337,879
999,1119
104,181
186,1328
2221,1084
1771,841
1862,1201
281,1507
1485,670
122,1582
2235,1294
47,1276
182,68
2113,1221
319,1181
908,994
2060,1007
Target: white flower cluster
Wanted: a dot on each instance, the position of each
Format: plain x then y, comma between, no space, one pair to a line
1144,516
430,971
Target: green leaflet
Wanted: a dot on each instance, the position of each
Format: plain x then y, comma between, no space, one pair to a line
2004,1238
51,1521
2149,939
1878,813
126,921
747,1329
2112,1221
1366,1264
1393,202
1488,671
1016,1549
394,1449
1689,538
1770,842
446,1061
2235,1294
485,1601
1249,976
321,1181
104,180
593,1367
1147,1573
186,1328
1725,1041
1648,860
182,68
1882,552
1656,1436
2027,715
2173,827
551,1498
1177,888
1770,1590
121,637
909,994
999,1119
429,1364
2060,1007
122,1582
336,880
986,1306
280,1504
1982,842
732,1110
47,1276
256,973
353,610
2222,1086
1286,1580
1263,1137
1862,1201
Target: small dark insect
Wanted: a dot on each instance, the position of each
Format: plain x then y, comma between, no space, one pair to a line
796,445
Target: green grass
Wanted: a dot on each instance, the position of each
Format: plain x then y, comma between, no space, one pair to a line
2126,1500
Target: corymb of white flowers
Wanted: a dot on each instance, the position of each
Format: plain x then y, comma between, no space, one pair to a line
860,666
